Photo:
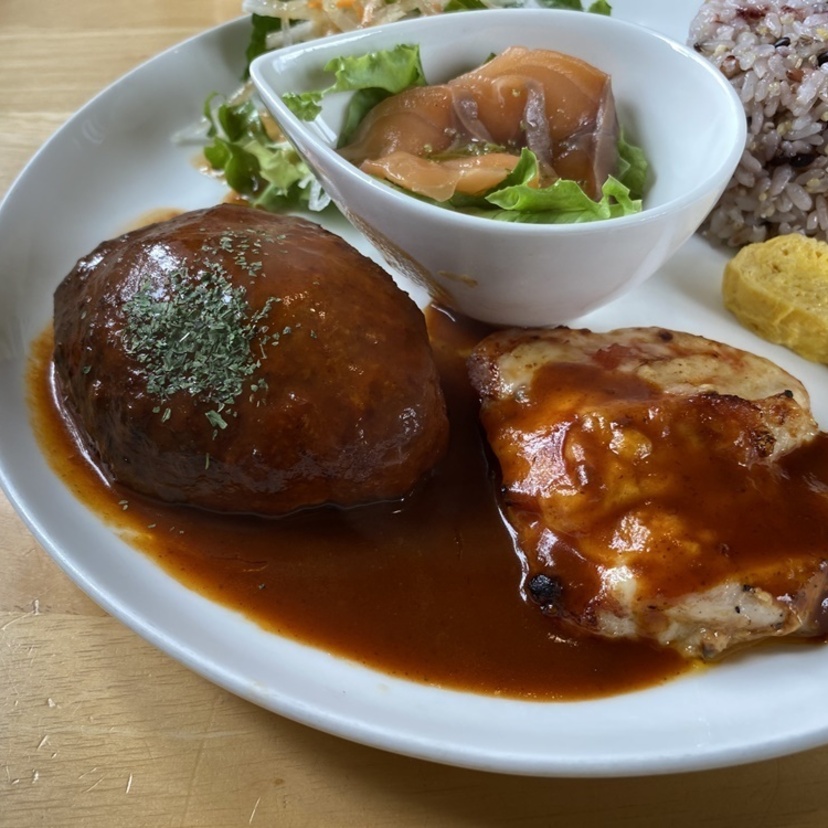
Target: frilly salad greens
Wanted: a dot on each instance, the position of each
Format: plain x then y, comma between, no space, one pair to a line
246,148
257,163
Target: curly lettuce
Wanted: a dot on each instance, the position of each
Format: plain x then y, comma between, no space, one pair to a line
266,171
372,78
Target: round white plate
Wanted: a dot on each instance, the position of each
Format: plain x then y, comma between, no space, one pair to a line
112,163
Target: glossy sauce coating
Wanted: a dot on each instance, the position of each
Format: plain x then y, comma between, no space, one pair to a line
244,361
657,485
758,519
427,589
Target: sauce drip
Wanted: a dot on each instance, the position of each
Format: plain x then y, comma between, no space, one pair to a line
427,589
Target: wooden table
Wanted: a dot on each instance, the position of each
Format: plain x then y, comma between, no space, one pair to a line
97,728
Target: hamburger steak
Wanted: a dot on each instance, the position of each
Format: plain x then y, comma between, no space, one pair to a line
241,361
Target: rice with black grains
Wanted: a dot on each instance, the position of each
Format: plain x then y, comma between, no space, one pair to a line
776,56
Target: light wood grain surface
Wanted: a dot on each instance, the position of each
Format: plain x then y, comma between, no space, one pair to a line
97,728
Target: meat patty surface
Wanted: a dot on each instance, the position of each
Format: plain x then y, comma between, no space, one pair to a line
240,361
660,486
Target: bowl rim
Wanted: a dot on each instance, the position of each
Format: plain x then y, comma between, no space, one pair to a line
316,50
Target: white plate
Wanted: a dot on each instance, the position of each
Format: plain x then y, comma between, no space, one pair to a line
113,162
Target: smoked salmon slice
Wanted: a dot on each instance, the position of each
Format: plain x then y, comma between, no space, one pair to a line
558,106
440,180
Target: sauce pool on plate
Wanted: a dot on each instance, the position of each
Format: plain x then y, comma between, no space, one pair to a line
426,589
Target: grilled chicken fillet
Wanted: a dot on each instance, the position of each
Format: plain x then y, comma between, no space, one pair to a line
660,486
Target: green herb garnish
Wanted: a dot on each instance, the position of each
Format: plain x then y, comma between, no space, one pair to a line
194,336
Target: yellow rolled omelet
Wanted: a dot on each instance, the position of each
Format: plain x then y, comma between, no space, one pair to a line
779,290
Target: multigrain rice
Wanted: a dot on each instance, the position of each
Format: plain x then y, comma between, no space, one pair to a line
776,56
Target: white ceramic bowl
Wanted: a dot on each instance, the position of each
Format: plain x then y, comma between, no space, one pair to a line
670,101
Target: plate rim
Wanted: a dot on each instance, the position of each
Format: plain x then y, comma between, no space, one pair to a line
374,735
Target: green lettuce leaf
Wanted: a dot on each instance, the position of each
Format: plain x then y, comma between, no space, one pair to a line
390,69
268,173
600,7
262,26
632,167
597,7
371,77
563,202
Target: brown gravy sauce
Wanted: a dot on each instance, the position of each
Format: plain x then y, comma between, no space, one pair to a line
700,498
426,590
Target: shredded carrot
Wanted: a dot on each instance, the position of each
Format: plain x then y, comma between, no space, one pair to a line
320,18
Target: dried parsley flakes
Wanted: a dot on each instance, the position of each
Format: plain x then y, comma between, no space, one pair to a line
195,335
